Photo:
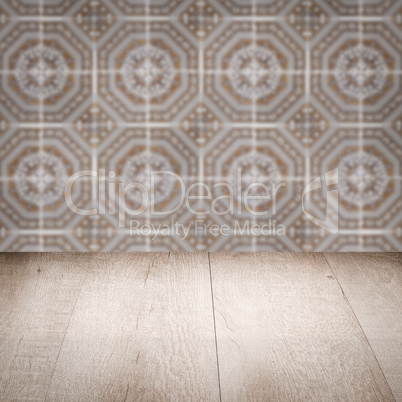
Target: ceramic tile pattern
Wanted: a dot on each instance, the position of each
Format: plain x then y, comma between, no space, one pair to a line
283,90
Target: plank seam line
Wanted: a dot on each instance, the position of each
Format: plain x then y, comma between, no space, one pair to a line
65,333
213,315
364,334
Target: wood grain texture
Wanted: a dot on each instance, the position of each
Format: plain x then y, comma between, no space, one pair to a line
103,327
142,330
373,286
285,332
37,297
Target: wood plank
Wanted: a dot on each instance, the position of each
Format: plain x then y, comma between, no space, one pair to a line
285,332
142,330
373,286
37,296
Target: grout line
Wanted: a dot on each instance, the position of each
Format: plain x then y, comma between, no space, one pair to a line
213,314
187,179
351,255
94,134
177,124
60,232
288,179
253,113
307,100
148,134
96,198
200,154
360,120
225,17
205,72
41,129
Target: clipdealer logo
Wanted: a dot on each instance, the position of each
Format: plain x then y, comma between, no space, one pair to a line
329,183
111,197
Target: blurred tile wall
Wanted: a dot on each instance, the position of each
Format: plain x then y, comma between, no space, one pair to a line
282,91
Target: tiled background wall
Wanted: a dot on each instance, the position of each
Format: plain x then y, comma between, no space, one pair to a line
286,90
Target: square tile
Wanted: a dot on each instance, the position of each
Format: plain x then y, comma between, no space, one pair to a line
255,71
369,171
357,71
45,71
35,167
148,76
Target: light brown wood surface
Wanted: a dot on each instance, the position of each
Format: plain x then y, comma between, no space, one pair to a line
286,333
373,286
202,327
142,330
37,297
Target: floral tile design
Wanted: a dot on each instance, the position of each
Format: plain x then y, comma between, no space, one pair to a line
308,18
257,100
35,166
238,61
369,176
148,75
46,71
359,72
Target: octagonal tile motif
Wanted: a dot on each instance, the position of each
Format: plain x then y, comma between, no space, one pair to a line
131,160
270,159
252,76
45,74
369,176
148,77
358,76
37,165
